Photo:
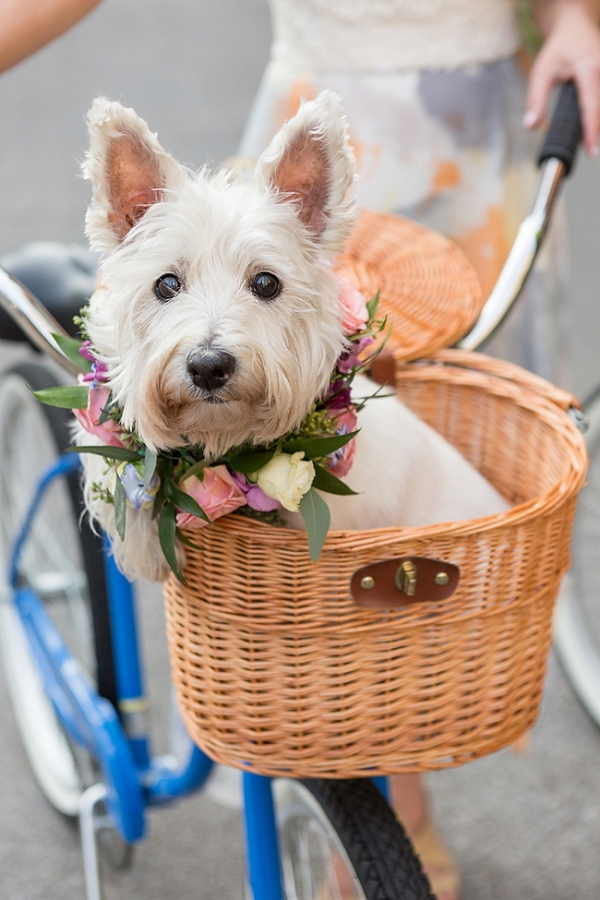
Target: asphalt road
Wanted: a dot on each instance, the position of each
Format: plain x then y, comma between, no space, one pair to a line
524,826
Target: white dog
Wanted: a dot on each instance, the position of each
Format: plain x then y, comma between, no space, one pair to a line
202,348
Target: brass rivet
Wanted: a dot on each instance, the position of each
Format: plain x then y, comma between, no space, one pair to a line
442,578
367,583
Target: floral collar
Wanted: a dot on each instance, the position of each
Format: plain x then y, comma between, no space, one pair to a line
186,491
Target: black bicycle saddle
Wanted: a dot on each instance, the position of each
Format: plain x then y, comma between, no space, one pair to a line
61,276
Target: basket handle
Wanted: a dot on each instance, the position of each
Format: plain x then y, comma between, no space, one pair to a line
404,581
479,362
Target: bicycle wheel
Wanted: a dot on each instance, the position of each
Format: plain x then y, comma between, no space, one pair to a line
62,562
339,840
577,619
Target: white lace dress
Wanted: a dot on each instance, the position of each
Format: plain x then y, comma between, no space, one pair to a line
434,91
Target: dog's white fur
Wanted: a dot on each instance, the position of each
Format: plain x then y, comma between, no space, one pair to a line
150,217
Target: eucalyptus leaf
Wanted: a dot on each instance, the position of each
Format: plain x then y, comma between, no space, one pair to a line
120,507
150,460
105,414
183,500
326,481
159,502
247,463
372,305
185,540
167,532
68,396
317,519
70,346
197,469
317,447
122,453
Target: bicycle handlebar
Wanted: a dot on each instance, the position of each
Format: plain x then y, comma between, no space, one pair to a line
33,319
556,160
564,135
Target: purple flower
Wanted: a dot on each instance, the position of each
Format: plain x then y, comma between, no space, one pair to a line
338,396
257,499
255,496
351,359
133,483
86,351
99,373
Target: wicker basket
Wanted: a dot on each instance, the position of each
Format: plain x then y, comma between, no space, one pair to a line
278,670
429,291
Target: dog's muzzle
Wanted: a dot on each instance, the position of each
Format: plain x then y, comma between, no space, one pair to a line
210,370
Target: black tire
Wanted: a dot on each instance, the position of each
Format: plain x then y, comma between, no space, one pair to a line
356,838
32,436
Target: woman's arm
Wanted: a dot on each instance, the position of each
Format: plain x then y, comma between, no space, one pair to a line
27,25
571,50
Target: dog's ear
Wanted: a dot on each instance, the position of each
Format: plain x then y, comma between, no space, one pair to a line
310,164
129,171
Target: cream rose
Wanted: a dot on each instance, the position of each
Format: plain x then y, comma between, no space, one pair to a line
287,478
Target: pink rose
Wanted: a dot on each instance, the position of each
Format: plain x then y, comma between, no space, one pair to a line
354,306
341,460
108,431
218,495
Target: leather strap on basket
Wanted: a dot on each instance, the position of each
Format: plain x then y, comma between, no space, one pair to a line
404,581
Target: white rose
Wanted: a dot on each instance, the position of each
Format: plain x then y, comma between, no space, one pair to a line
287,478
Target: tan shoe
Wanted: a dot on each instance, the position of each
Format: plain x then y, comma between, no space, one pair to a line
437,862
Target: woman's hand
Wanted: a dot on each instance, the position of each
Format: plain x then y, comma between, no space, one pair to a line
571,50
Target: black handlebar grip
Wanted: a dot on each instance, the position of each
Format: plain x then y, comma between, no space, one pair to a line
564,134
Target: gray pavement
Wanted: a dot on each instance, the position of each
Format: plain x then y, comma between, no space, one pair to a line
523,826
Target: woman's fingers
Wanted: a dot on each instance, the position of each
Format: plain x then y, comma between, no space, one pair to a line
541,79
554,66
587,79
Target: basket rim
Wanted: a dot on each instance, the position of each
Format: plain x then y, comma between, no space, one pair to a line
505,380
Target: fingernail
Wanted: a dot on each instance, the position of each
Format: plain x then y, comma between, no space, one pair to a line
594,150
529,119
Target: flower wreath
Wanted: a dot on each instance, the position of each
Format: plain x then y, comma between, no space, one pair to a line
185,490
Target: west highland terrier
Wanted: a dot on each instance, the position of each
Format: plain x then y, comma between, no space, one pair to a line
218,324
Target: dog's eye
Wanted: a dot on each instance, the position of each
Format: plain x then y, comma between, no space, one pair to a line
265,285
167,287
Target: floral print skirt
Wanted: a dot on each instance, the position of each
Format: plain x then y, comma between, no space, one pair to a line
447,149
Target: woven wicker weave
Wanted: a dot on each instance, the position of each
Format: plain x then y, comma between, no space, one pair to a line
429,292
278,670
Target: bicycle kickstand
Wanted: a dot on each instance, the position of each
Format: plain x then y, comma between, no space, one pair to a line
87,825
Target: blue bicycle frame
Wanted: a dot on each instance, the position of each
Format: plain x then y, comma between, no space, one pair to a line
132,778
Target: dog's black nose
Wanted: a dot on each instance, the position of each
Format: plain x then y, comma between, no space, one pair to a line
210,369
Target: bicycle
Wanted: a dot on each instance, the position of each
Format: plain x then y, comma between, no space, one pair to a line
81,710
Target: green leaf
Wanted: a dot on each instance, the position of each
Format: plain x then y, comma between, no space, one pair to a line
317,518
167,532
70,347
69,396
120,507
122,453
372,305
197,469
159,502
185,540
317,447
105,414
247,463
150,460
183,500
326,481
